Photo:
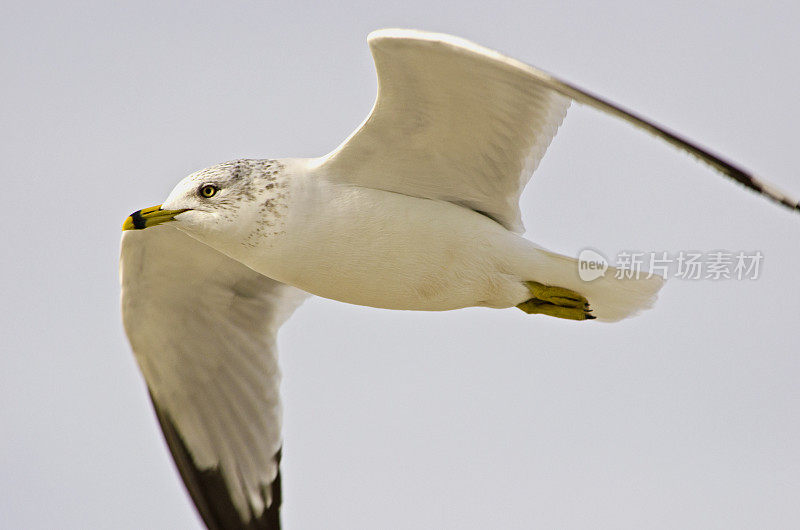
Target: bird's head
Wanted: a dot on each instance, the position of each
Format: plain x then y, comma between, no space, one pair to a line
221,204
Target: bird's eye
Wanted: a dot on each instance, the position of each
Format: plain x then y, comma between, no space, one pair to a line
208,190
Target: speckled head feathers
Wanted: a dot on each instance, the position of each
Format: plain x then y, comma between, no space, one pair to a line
243,177
237,202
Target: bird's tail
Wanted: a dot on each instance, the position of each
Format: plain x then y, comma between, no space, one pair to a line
613,294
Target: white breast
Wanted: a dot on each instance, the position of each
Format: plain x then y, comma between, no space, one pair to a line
376,248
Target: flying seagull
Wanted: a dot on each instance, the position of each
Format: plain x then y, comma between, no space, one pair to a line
417,210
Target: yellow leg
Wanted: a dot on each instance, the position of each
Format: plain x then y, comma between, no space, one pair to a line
556,302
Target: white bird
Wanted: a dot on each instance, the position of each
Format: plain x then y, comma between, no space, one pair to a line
418,209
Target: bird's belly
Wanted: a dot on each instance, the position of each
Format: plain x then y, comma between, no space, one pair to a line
391,251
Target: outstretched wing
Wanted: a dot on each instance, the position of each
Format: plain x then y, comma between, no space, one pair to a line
452,121
202,327
458,122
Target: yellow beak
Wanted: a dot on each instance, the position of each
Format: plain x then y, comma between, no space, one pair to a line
149,217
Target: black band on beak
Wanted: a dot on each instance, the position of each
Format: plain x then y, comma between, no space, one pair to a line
138,220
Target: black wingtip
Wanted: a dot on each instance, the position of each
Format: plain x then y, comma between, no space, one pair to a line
209,491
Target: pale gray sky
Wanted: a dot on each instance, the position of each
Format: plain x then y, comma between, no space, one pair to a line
686,417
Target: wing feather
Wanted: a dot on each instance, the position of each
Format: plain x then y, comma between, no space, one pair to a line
450,122
202,327
458,122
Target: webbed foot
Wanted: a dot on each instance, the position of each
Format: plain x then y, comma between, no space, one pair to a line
556,302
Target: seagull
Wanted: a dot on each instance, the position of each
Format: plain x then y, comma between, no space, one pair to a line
417,210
